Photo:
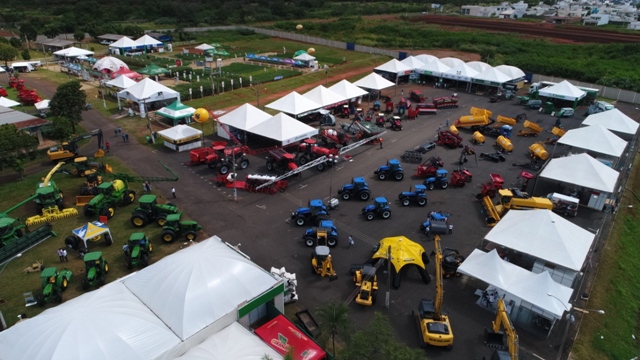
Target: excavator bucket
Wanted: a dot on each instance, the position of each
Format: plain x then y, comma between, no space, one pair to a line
490,210
51,214
99,153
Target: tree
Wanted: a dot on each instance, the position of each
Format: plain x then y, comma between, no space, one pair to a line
25,54
334,322
61,128
7,53
68,102
15,146
15,42
28,33
78,35
51,31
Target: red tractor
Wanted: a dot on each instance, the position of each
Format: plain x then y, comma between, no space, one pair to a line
335,137
3,92
446,102
428,168
449,139
28,97
219,154
491,188
281,161
460,177
308,150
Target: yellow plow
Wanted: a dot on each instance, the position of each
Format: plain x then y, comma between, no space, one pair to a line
50,214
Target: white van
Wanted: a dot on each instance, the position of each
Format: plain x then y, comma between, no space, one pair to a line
22,67
564,204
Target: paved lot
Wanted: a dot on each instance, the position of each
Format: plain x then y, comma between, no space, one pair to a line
260,223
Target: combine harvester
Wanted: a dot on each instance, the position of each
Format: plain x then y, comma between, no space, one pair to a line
48,199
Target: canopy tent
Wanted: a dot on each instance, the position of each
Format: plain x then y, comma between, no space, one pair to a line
294,104
284,129
176,111
323,96
109,63
613,120
404,251
204,47
148,41
195,287
433,68
460,72
233,342
125,43
582,170
121,82
73,52
147,91
490,268
181,137
373,81
347,90
511,71
412,62
91,230
6,102
244,117
395,67
545,235
304,57
491,76
594,138
564,91
42,105
108,323
479,66
451,62
153,69
282,334
426,58
126,72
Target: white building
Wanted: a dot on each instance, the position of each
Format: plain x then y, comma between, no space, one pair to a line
595,20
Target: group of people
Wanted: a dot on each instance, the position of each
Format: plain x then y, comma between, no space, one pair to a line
146,186
62,255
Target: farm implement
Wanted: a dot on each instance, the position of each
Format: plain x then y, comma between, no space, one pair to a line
253,183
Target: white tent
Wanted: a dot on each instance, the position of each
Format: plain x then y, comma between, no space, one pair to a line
125,43
412,62
323,96
304,57
195,287
479,66
491,76
284,128
613,120
545,235
2,70
204,47
73,52
181,137
373,81
563,90
6,102
147,40
425,58
460,72
582,170
434,68
490,268
451,62
233,342
110,63
395,67
105,324
121,82
147,91
594,138
294,104
347,90
511,71
42,105
242,118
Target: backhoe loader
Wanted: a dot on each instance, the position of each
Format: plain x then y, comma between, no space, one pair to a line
365,278
321,263
495,339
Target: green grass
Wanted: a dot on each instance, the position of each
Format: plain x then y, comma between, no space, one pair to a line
55,77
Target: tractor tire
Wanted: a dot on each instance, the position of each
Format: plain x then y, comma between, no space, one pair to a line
431,186
309,241
398,176
57,297
303,160
60,203
191,235
321,166
168,236
40,300
106,267
150,247
108,239
72,242
382,175
444,185
270,166
386,214
224,169
365,195
108,211
346,196
129,197
422,201
127,260
406,201
213,164
300,221
332,241
85,284
88,211
369,216
425,258
139,219
101,280
244,164
161,220
145,260
65,283
322,217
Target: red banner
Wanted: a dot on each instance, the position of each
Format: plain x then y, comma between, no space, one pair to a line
281,334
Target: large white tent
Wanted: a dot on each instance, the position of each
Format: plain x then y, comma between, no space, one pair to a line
181,137
109,323
125,43
545,235
425,58
394,66
204,47
460,72
145,92
373,81
563,90
241,118
324,97
412,62
347,90
73,52
433,68
284,129
451,61
491,76
490,268
6,102
511,71
233,342
479,66
582,170
148,41
294,104
121,82
304,57
613,120
110,63
594,138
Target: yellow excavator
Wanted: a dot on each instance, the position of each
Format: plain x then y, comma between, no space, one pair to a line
322,264
69,149
512,199
495,339
435,329
367,281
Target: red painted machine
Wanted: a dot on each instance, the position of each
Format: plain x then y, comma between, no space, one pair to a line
28,97
460,177
449,139
3,92
335,137
308,150
445,102
491,188
251,182
428,168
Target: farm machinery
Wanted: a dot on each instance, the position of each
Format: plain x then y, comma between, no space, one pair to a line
451,261
358,188
322,264
538,151
15,237
96,269
361,129
530,129
395,123
511,199
312,214
445,102
411,156
366,281
439,180
218,154
495,339
253,183
69,149
504,144
326,234
491,188
428,168
417,96
49,201
495,157
380,207
28,97
174,227
417,196
460,177
333,137
137,250
474,122
425,109
308,150
53,283
83,167
436,223
279,160
150,211
467,151
393,169
503,127
449,139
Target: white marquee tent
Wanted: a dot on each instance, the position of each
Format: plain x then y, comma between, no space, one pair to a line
490,268
451,61
125,43
433,68
425,58
511,71
110,63
613,120
72,52
233,342
304,57
284,129
148,41
594,138
563,90
347,90
479,66
121,82
323,96
491,76
42,105
545,235
373,81
294,104
145,92
6,102
582,170
460,72
412,62
241,118
181,137
204,47
394,66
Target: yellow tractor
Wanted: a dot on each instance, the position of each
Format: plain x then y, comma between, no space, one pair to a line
512,199
365,278
322,264
435,329
495,339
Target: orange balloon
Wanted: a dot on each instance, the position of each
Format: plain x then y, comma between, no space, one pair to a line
310,51
299,27
201,115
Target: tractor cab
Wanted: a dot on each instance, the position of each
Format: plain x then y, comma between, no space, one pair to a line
366,279
174,227
316,211
417,96
358,187
381,203
322,263
379,207
326,234
173,220
137,250
96,268
359,183
148,202
440,180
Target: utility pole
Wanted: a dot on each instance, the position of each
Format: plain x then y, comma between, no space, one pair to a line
388,295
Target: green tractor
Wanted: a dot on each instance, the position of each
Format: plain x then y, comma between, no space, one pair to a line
149,211
110,194
137,250
53,284
95,269
174,227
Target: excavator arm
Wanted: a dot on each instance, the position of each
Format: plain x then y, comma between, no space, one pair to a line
439,289
502,321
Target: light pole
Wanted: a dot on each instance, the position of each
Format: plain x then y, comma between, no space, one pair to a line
8,261
333,160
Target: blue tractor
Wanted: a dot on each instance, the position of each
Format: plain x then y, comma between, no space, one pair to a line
380,207
440,180
358,188
314,213
418,196
326,234
392,169
435,224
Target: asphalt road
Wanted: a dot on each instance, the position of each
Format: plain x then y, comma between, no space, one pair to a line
261,223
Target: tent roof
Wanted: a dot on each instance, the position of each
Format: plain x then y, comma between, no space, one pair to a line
176,110
42,105
479,66
412,62
511,71
147,40
544,235
244,117
6,102
613,120
304,57
73,52
198,285
461,71
294,104
284,128
90,230
233,342
179,132
563,90
121,82
425,58
347,89
373,81
110,63
492,75
435,67
126,72
204,47
595,138
582,170
394,66
451,62
490,268
323,96
147,88
153,69
404,251
108,323
281,333
124,43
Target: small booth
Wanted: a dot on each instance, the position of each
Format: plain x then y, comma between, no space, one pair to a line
181,138
92,232
71,53
308,60
177,113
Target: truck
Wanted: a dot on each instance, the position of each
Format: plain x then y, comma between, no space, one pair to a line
511,199
564,204
598,107
472,121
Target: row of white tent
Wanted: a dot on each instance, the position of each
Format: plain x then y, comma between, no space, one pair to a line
145,41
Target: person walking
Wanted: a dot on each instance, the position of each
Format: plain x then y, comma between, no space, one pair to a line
402,92
173,192
351,242
64,255
107,145
450,228
380,140
60,255
126,137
